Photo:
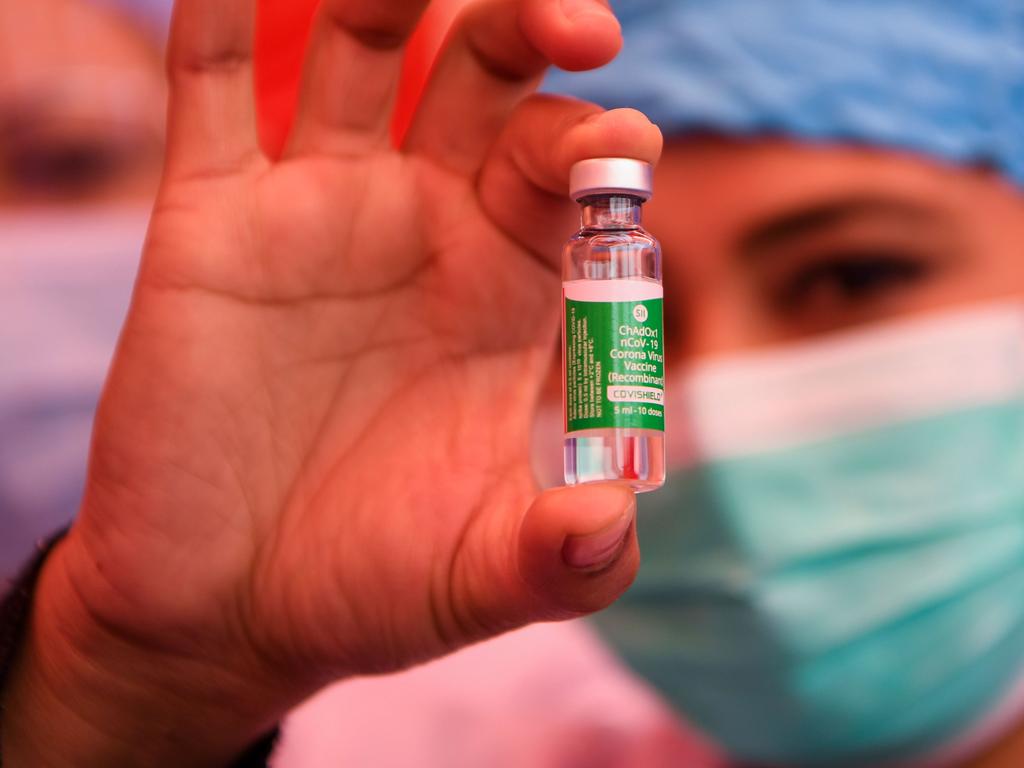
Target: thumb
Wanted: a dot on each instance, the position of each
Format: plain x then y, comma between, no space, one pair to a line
577,549
573,552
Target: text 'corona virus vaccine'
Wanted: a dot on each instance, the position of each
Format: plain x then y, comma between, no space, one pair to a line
613,331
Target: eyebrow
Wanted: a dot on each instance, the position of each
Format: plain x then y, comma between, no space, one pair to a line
107,96
782,229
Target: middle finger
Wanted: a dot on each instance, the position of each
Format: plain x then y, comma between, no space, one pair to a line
351,75
494,57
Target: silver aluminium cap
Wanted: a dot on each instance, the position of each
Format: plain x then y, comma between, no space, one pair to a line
611,175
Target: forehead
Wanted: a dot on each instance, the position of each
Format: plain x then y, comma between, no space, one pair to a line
43,36
722,183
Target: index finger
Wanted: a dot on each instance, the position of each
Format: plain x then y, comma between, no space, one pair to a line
526,176
494,57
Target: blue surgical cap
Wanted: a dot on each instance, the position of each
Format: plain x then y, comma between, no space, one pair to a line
943,77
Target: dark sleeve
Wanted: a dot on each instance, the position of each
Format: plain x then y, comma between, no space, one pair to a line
258,755
14,613
15,607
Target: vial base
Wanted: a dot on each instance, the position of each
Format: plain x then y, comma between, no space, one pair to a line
633,456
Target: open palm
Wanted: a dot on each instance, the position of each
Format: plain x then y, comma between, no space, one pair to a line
311,456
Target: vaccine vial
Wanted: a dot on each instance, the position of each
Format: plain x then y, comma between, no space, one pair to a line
613,331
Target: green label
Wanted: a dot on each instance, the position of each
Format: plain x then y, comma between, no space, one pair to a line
614,365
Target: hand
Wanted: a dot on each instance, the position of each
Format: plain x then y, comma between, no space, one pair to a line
311,457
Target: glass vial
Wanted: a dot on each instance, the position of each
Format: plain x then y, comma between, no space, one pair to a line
613,380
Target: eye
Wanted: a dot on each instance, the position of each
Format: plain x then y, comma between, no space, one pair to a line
850,279
61,169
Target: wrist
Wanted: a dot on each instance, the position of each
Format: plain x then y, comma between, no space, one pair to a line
80,694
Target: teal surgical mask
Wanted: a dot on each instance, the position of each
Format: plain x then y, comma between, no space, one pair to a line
837,575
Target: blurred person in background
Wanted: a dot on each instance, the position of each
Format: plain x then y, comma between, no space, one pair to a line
833,574
82,103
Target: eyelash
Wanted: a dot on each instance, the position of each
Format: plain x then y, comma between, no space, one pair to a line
856,277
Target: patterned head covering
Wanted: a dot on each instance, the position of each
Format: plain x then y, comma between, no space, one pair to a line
936,76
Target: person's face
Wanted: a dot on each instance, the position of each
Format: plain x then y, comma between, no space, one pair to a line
81,106
771,241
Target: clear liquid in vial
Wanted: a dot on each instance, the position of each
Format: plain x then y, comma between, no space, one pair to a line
635,456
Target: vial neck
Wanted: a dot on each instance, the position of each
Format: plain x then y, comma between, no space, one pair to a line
612,212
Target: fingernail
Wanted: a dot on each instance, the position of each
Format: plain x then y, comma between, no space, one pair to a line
597,551
574,9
